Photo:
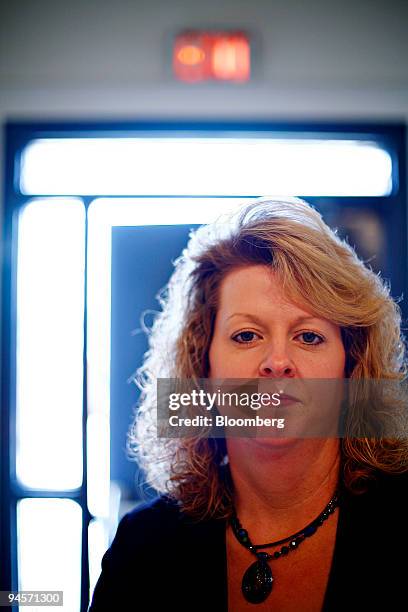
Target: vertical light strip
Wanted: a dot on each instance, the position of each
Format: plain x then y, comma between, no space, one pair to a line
49,548
98,363
98,542
50,319
103,214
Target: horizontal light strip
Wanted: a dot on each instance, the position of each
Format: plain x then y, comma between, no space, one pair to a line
240,166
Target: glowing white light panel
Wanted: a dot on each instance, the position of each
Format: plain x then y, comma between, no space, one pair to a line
240,166
49,548
50,319
98,543
103,215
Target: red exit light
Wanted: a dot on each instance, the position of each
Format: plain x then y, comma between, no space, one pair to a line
219,56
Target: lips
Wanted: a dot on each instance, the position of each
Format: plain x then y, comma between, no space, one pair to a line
286,399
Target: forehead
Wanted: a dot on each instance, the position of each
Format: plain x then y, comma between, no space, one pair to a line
255,289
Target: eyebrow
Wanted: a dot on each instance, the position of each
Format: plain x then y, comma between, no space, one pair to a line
300,319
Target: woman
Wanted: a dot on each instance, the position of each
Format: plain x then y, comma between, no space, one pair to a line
291,523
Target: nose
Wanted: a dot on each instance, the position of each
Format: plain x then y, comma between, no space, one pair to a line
277,363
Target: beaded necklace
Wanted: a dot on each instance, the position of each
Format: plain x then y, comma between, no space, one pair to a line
257,581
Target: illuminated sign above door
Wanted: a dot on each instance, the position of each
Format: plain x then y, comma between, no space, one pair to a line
201,55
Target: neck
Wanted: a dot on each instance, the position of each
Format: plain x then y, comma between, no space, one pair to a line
278,490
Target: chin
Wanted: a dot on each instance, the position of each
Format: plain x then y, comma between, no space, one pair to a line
275,446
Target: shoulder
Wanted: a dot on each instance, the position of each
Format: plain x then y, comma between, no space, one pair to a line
141,533
383,485
154,534
390,488
393,482
158,516
159,513
148,524
390,496
384,502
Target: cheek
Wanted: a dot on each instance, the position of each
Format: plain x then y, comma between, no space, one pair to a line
216,360
334,364
341,360
212,358
329,362
221,363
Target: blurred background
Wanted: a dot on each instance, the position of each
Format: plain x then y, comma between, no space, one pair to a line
124,126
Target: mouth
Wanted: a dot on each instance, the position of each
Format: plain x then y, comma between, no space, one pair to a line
286,400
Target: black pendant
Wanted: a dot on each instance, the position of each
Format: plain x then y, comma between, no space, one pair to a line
257,580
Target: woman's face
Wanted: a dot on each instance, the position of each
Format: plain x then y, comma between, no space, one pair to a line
260,333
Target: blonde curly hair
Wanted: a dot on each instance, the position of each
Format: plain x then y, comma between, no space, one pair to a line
315,266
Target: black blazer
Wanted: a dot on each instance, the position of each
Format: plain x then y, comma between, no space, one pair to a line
160,559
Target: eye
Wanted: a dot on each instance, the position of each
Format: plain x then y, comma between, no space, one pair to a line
245,337
311,338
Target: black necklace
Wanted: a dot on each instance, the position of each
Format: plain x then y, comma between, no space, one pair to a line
257,581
